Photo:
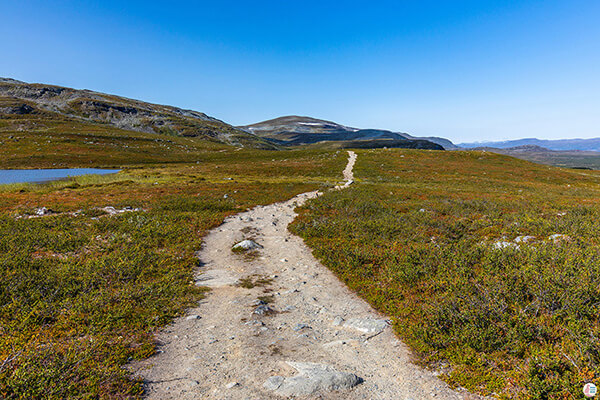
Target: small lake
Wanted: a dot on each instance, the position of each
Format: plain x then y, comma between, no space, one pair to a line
46,175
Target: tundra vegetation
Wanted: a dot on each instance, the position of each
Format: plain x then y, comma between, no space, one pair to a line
436,240
86,284
427,237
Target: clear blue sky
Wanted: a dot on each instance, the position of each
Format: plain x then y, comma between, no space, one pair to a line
466,70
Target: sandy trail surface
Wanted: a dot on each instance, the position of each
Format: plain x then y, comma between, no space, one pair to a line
307,337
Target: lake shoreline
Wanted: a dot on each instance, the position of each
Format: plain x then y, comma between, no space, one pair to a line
39,176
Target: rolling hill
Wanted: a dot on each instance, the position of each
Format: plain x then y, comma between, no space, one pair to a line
20,99
46,126
295,130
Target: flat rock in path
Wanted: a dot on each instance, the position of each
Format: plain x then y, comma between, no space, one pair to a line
312,378
366,325
217,278
246,245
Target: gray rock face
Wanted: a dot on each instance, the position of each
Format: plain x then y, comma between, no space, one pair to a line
311,379
366,325
247,245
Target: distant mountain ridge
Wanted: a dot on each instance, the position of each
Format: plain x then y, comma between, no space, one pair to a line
562,158
19,98
298,130
557,145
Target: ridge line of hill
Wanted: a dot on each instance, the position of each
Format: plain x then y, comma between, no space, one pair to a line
18,99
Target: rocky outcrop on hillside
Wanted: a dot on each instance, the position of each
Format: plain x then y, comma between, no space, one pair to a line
120,112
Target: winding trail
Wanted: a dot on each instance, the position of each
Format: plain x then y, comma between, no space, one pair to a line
320,341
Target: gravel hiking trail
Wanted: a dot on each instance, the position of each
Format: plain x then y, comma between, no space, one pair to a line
278,325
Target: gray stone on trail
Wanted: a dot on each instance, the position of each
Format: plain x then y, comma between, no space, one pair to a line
366,325
263,310
299,327
255,322
257,302
337,321
311,379
192,317
247,245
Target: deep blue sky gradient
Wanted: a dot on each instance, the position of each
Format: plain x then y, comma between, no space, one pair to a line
466,70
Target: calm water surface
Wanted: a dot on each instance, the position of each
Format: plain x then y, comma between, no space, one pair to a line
45,175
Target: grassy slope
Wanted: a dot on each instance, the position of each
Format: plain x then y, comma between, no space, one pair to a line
22,100
46,140
81,295
415,237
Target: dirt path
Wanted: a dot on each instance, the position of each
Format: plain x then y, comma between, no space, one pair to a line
313,339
